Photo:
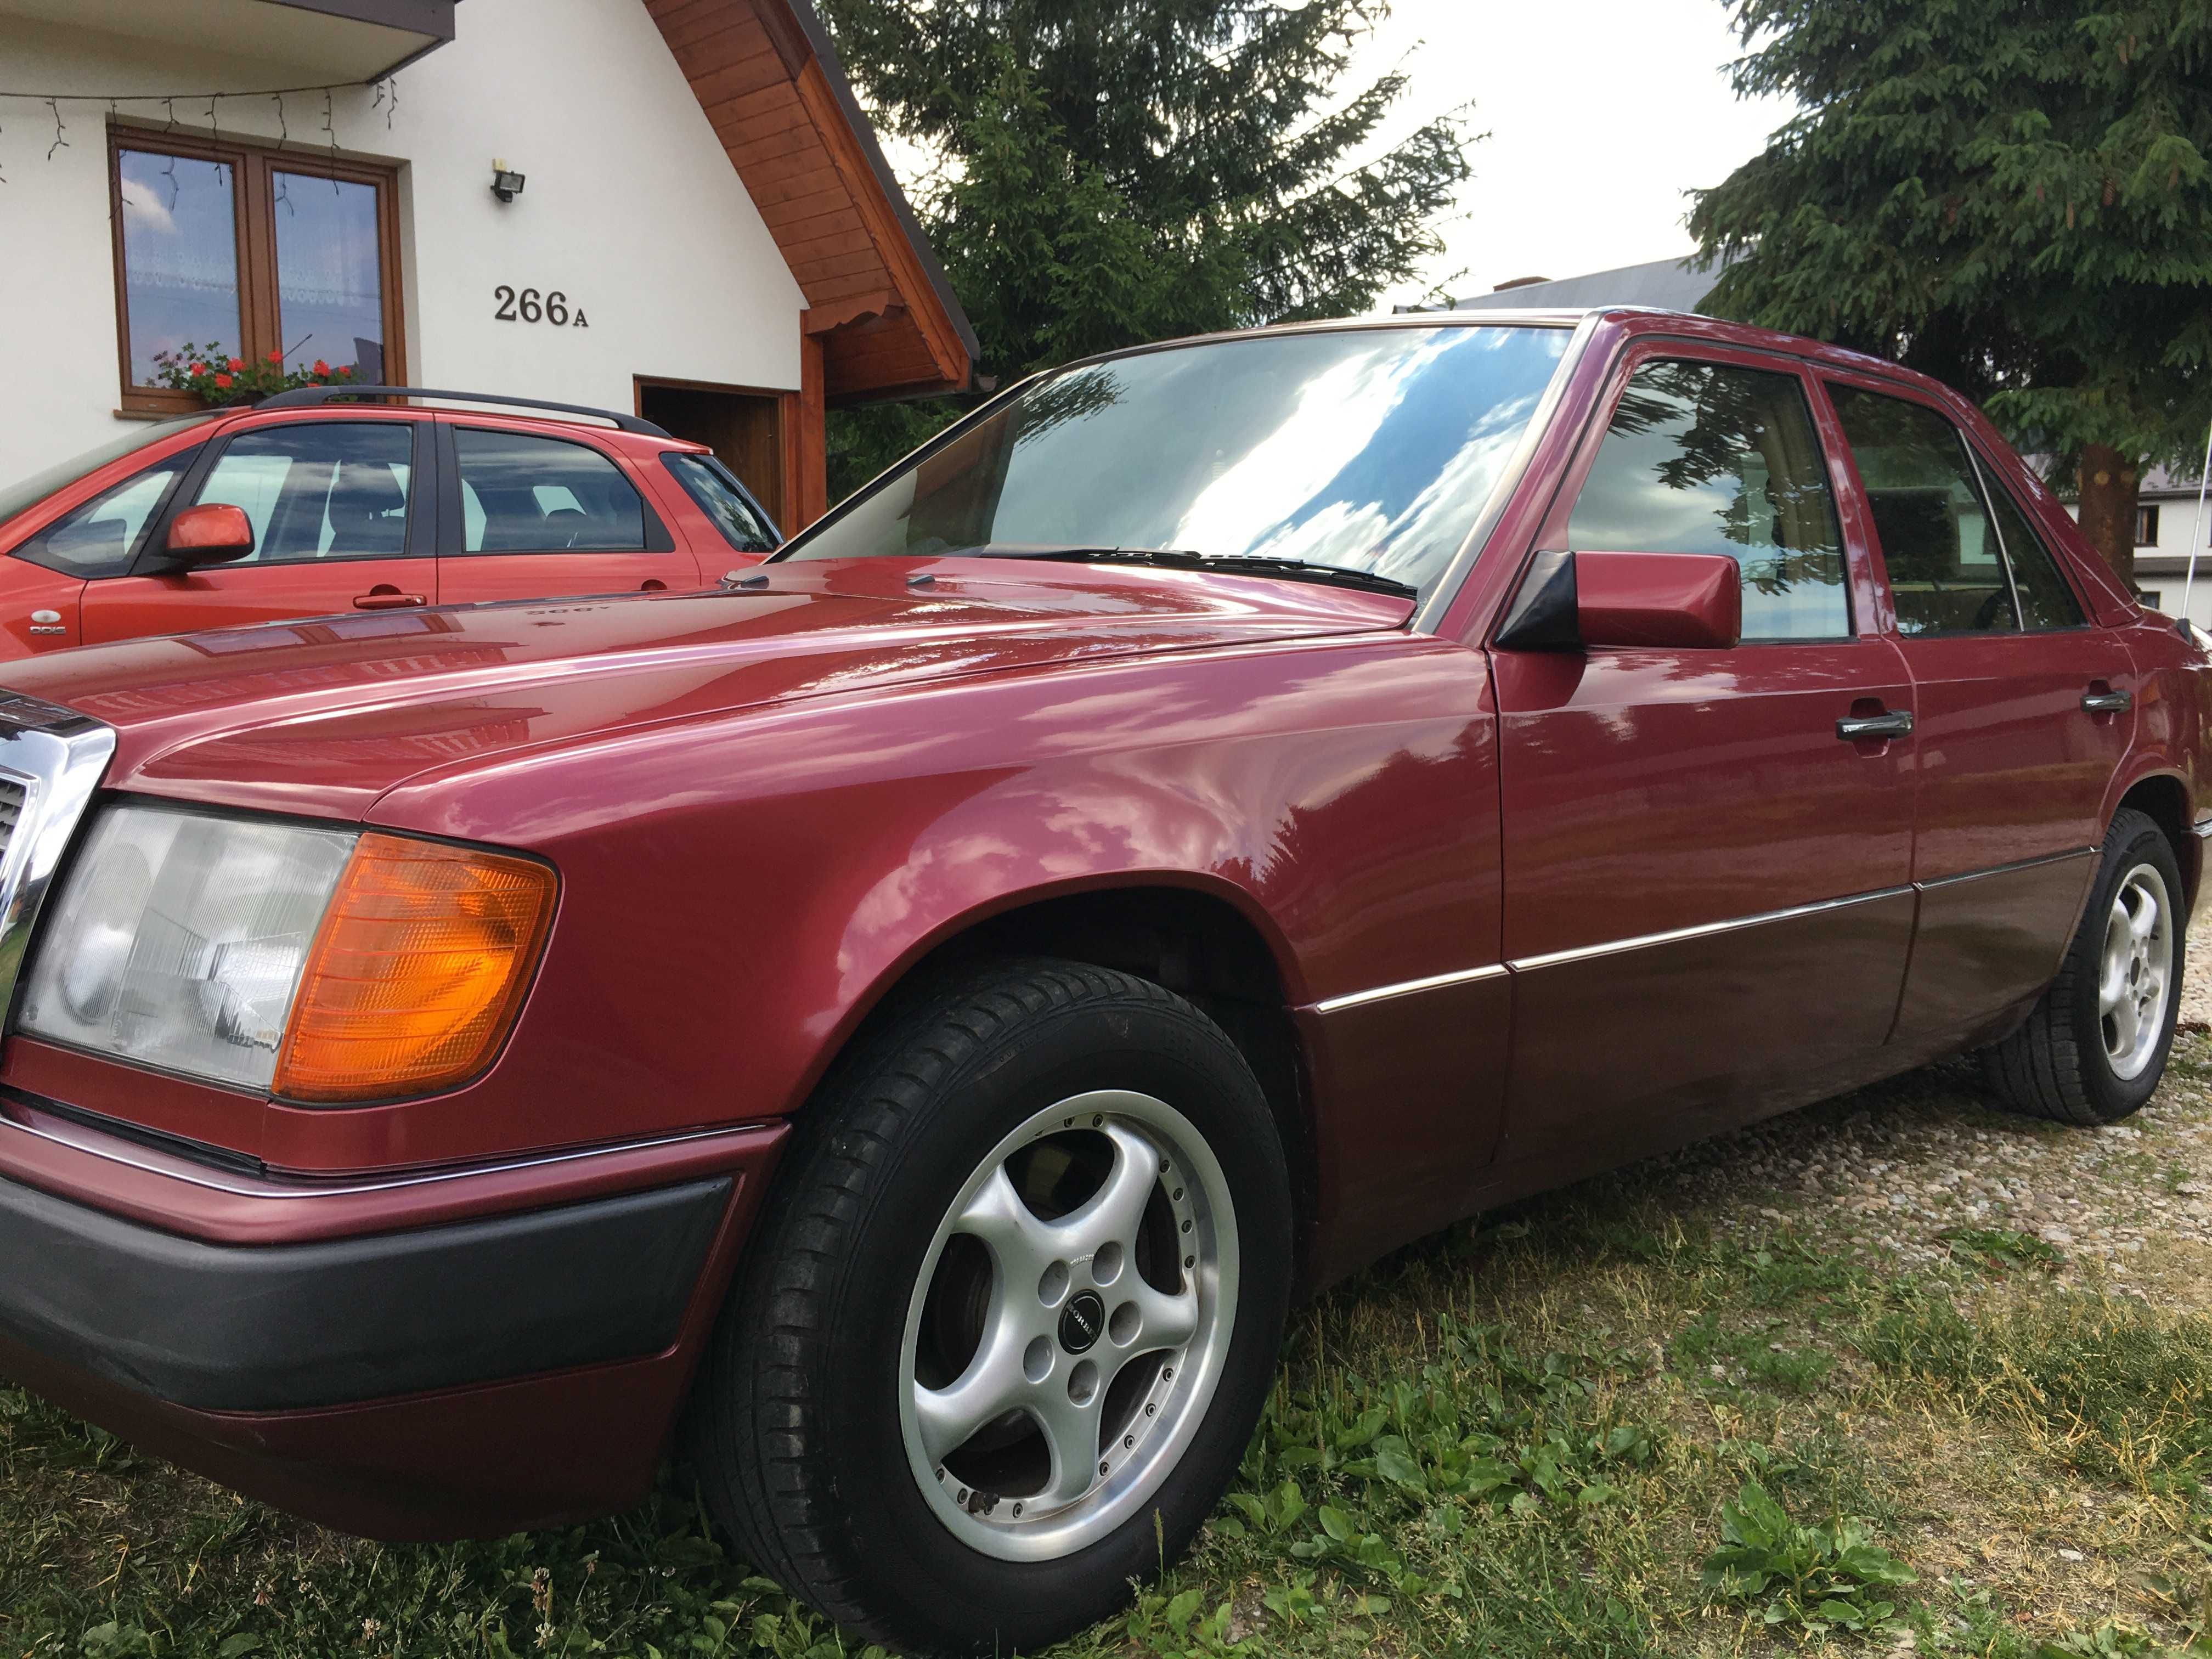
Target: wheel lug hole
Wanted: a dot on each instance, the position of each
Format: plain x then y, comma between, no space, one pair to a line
1186,1224
1106,1266
1128,1441
1051,1284
1190,1261
1152,1408
1125,1324
1099,1120
1083,1384
1104,1467
1178,1195
1036,1358
1018,1511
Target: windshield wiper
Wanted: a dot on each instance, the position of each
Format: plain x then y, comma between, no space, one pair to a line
1176,558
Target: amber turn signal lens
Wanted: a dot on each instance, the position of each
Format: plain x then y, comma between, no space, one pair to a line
418,972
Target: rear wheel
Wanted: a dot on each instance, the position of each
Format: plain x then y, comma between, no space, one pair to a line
2095,1047
1005,1333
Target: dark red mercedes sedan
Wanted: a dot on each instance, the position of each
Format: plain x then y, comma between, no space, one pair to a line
899,1029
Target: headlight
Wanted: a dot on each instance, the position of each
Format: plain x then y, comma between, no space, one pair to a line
318,964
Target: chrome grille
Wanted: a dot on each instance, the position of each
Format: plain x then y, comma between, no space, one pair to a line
51,760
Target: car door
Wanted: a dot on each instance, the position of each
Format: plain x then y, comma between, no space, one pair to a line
2024,709
1707,899
338,524
42,580
531,515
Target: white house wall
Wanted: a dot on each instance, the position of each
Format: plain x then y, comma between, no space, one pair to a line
632,210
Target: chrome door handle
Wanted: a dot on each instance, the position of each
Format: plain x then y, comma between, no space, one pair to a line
2107,702
1897,723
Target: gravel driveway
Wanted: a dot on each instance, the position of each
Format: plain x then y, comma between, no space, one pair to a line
1898,1167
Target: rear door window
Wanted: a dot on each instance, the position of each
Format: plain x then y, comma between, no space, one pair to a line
523,494
1716,458
1961,559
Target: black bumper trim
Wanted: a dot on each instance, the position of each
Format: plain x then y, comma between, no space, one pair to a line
270,1328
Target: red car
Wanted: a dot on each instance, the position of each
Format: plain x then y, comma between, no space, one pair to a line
305,506
916,1016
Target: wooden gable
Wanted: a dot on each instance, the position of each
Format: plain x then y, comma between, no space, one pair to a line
768,79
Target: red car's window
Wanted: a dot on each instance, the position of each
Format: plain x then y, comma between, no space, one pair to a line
323,489
1944,541
1711,458
99,539
526,495
2045,600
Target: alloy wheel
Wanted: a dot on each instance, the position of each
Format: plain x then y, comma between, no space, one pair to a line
1068,1326
2136,972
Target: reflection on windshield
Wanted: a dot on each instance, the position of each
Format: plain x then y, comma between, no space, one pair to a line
1372,449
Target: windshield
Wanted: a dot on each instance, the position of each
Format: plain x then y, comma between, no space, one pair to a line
29,492
1369,449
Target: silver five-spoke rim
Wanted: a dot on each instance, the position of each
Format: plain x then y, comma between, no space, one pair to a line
1068,1325
2135,975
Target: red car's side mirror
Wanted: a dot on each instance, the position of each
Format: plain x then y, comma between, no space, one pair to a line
213,533
1652,601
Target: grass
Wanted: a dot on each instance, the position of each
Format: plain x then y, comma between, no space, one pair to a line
1618,1421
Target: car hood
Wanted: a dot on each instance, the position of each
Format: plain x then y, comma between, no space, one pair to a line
325,716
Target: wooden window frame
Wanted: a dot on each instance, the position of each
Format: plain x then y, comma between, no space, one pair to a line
252,218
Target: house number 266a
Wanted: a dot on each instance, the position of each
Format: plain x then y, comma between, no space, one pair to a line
531,307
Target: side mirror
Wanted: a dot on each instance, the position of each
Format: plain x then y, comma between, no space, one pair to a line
1648,601
215,532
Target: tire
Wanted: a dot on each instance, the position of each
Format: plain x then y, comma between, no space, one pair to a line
2069,1061
822,1425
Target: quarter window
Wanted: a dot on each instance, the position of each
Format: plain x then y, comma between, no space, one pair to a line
528,494
710,483
332,490
1711,458
98,537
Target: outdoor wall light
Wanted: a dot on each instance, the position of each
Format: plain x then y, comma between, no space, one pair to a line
506,183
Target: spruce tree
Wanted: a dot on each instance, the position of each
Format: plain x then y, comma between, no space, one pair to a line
2013,195
1111,172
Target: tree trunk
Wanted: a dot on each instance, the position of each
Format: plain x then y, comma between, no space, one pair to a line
2109,483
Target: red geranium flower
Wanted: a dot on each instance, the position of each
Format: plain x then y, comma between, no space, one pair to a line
235,366
321,367
197,368
223,380
276,357
346,373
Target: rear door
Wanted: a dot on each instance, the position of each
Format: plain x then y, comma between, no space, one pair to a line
530,514
2018,731
339,525
1707,897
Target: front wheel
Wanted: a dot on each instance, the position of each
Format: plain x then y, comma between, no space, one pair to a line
1007,1330
2095,1047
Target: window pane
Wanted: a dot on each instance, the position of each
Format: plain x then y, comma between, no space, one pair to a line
329,491
97,538
526,494
179,256
2045,601
1945,574
1373,448
1705,458
718,497
330,283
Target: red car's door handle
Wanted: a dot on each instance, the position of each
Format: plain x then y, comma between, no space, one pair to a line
2106,701
384,598
1896,723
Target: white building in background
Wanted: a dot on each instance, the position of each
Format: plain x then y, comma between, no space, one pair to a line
695,223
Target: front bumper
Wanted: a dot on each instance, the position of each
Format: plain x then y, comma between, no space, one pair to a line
441,1354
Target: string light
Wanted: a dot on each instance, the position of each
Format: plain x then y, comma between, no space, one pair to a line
386,88
60,142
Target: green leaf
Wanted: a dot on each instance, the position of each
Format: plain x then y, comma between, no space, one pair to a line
1335,1522
1183,1609
234,1647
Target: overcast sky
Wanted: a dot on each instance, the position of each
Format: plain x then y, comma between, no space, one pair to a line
1601,114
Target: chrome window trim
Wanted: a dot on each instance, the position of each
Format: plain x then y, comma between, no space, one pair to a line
1407,987
58,757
